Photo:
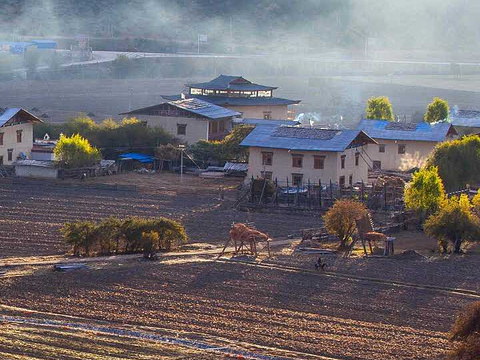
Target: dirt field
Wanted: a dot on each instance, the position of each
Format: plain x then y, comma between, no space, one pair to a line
32,215
265,310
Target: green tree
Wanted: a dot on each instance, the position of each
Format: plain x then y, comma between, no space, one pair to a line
340,219
437,110
425,193
458,162
80,235
380,108
75,151
454,223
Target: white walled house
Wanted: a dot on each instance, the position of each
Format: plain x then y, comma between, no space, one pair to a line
241,95
304,155
189,120
16,135
403,146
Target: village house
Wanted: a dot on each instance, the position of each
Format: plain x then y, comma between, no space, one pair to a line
189,120
403,146
16,134
301,155
238,94
465,121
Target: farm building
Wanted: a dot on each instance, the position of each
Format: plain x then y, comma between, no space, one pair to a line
35,169
301,155
16,134
465,121
190,120
238,94
403,146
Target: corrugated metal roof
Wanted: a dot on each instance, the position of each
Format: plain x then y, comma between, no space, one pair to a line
269,122
237,101
39,163
379,129
267,137
193,105
204,108
228,82
8,113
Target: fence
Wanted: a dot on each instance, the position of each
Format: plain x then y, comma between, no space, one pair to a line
318,196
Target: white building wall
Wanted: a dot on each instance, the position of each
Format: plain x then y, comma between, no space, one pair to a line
197,129
416,154
282,168
10,141
277,112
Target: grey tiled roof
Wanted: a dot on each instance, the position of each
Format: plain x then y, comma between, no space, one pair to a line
466,118
264,136
237,101
8,113
383,129
227,82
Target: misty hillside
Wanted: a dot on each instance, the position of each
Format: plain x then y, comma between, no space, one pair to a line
316,24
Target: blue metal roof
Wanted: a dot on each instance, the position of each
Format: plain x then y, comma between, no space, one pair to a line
379,129
45,44
192,105
227,82
270,122
237,101
329,140
9,113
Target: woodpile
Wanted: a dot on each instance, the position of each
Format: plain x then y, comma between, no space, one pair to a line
389,181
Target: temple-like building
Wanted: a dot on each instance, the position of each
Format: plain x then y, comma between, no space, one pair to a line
236,93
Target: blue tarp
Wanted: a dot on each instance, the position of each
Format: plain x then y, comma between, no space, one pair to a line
136,156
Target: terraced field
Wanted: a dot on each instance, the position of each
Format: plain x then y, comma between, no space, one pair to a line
292,314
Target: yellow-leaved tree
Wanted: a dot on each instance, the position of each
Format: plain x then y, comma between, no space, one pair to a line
75,151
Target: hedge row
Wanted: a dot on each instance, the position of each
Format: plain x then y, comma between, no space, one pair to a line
128,236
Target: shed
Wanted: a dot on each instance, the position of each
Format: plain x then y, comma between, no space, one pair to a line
35,169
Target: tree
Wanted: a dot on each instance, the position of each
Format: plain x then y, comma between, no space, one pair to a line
75,151
340,219
81,235
425,193
454,223
437,110
380,108
458,162
466,330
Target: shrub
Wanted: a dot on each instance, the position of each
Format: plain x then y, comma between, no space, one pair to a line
466,330
75,151
458,162
425,193
132,235
340,219
454,223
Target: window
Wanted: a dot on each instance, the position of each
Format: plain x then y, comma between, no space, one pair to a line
221,126
10,154
350,180
267,158
381,148
181,129
1,139
267,175
342,161
341,181
1,160
297,160
208,92
377,165
263,93
402,148
194,91
213,127
19,136
318,162
267,115
357,158
297,179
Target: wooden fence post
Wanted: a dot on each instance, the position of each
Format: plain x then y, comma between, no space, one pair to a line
320,193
